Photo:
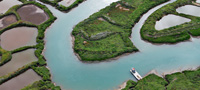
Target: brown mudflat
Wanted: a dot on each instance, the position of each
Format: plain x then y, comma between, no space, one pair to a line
7,20
21,81
33,14
6,4
18,60
18,37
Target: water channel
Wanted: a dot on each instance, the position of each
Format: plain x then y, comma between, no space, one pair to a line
72,74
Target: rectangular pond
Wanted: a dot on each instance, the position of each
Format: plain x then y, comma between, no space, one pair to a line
18,60
18,37
21,81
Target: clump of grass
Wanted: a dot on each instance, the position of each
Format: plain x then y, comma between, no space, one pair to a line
5,56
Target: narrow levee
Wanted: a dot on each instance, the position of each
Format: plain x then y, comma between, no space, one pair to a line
21,81
18,60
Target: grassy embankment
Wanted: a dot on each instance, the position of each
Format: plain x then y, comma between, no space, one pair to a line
60,7
186,80
106,34
38,66
5,56
173,34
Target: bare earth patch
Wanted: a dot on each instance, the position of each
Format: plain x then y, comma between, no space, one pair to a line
121,8
101,19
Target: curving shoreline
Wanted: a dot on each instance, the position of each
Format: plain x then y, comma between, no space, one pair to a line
124,85
84,35
106,60
173,34
169,84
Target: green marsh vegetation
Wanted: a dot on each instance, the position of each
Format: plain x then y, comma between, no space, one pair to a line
41,85
38,66
55,3
173,34
186,80
5,56
106,34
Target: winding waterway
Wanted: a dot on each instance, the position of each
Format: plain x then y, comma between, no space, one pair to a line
71,74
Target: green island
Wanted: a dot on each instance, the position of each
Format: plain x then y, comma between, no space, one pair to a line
61,7
39,66
173,34
186,80
106,34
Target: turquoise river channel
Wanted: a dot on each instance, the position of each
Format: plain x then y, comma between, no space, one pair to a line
72,74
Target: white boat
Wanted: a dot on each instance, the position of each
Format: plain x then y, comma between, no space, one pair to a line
136,74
